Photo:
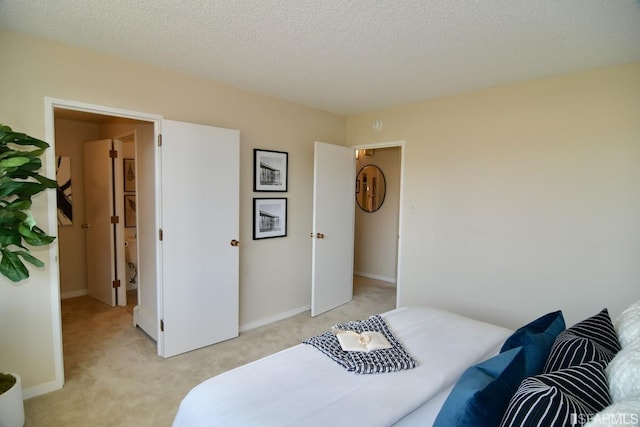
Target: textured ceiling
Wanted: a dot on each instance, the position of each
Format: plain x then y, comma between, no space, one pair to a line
346,56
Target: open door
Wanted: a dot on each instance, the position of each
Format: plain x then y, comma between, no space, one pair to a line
333,227
103,224
199,256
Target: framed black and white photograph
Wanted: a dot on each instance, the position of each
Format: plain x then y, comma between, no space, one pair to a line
270,170
269,217
129,211
129,166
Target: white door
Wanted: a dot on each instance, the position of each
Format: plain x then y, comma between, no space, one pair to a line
333,227
199,253
105,257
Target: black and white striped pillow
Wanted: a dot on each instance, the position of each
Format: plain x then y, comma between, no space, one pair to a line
599,329
560,398
569,350
592,339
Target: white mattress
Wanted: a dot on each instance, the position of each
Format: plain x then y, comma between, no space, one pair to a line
301,386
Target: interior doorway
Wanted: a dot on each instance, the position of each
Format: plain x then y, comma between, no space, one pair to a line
378,194
68,130
99,188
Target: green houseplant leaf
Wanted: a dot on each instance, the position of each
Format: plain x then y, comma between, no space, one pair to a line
19,182
12,267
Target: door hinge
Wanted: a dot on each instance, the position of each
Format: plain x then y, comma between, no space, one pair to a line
159,140
160,234
115,219
161,325
116,283
113,154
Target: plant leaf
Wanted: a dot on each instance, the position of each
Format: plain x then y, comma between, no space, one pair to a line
48,183
10,237
8,187
33,165
19,205
30,258
12,267
14,162
8,216
29,221
19,181
26,189
7,136
34,236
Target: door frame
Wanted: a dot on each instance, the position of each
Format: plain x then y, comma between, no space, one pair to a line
50,104
392,144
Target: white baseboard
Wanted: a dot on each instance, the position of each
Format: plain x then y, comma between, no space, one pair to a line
73,294
274,318
391,280
41,389
145,322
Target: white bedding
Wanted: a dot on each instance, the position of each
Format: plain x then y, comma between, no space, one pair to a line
301,386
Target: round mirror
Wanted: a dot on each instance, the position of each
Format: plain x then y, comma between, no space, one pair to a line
371,188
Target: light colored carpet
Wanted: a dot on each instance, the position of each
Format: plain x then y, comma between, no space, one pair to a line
114,377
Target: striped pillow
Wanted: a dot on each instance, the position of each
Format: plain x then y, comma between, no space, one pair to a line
592,339
559,398
599,329
569,350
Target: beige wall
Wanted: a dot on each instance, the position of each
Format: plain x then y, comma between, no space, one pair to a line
376,233
70,135
270,283
521,198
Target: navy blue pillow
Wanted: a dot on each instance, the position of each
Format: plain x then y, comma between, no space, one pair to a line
536,338
482,394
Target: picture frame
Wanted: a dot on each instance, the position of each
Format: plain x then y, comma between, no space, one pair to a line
129,172
270,170
130,210
269,217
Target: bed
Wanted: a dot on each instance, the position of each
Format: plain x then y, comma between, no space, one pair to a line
302,386
468,373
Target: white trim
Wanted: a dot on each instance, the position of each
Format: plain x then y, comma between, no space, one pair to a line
275,318
73,294
54,267
159,248
100,109
400,220
389,144
54,274
40,389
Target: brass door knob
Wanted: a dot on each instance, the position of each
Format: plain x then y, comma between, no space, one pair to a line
234,242
320,236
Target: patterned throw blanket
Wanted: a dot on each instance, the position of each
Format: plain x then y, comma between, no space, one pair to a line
392,359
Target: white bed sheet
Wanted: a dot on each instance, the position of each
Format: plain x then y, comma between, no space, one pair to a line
301,386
